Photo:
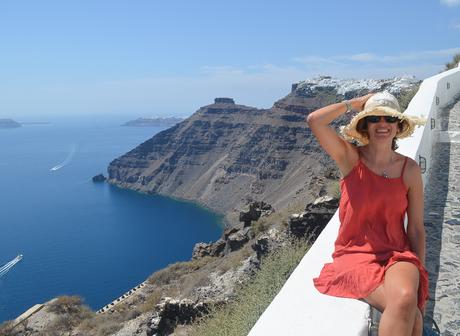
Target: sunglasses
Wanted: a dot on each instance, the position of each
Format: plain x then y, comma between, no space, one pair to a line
376,119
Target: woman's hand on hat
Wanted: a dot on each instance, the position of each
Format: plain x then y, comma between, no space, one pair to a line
358,102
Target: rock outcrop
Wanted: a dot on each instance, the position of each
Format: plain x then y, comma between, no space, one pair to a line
99,178
315,217
171,312
215,249
269,241
254,211
232,240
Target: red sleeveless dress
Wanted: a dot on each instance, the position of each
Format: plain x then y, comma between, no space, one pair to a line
371,236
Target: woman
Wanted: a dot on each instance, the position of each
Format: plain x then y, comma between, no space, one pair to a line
374,258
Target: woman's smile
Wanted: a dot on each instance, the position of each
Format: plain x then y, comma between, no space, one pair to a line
382,130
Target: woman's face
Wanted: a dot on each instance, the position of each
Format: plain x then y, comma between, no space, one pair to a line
382,130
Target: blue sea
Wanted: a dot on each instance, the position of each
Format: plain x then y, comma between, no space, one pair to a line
78,237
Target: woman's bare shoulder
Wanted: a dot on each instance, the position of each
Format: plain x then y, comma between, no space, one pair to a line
412,173
411,163
412,166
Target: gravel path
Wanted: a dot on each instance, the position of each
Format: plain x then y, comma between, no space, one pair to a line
442,224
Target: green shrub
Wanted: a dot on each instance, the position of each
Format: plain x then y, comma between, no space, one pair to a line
254,295
453,63
333,189
260,226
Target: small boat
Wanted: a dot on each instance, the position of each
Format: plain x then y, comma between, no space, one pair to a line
9,265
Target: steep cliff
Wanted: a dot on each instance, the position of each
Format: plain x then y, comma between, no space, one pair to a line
226,154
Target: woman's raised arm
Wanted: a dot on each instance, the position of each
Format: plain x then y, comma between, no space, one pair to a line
330,141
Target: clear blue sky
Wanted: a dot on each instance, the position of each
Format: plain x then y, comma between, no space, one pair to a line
158,58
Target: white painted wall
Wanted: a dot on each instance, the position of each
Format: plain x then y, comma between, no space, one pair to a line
299,309
424,104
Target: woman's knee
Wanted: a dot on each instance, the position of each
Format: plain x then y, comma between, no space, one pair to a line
404,298
401,285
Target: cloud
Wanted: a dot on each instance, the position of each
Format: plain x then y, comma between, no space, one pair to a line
455,25
315,60
364,57
450,3
374,58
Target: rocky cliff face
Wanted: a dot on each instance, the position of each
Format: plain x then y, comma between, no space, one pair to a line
226,154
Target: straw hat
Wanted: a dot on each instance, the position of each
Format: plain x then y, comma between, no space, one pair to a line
381,104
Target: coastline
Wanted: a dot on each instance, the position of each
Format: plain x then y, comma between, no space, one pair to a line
223,220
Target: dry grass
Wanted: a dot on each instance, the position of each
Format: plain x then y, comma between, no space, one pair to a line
238,317
233,259
183,277
179,279
6,329
151,301
101,325
126,311
66,305
70,312
173,272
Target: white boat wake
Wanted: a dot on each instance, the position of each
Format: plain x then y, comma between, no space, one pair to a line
9,265
69,158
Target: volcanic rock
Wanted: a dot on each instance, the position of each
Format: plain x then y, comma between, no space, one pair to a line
315,217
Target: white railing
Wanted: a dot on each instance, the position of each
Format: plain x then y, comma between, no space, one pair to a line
299,309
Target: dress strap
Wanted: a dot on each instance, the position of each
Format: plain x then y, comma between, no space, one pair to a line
404,167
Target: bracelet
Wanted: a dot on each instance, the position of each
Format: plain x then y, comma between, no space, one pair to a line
348,105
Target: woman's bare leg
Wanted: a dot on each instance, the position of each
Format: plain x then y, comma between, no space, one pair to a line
397,300
418,325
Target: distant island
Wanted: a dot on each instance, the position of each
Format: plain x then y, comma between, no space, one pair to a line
36,123
149,122
9,123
